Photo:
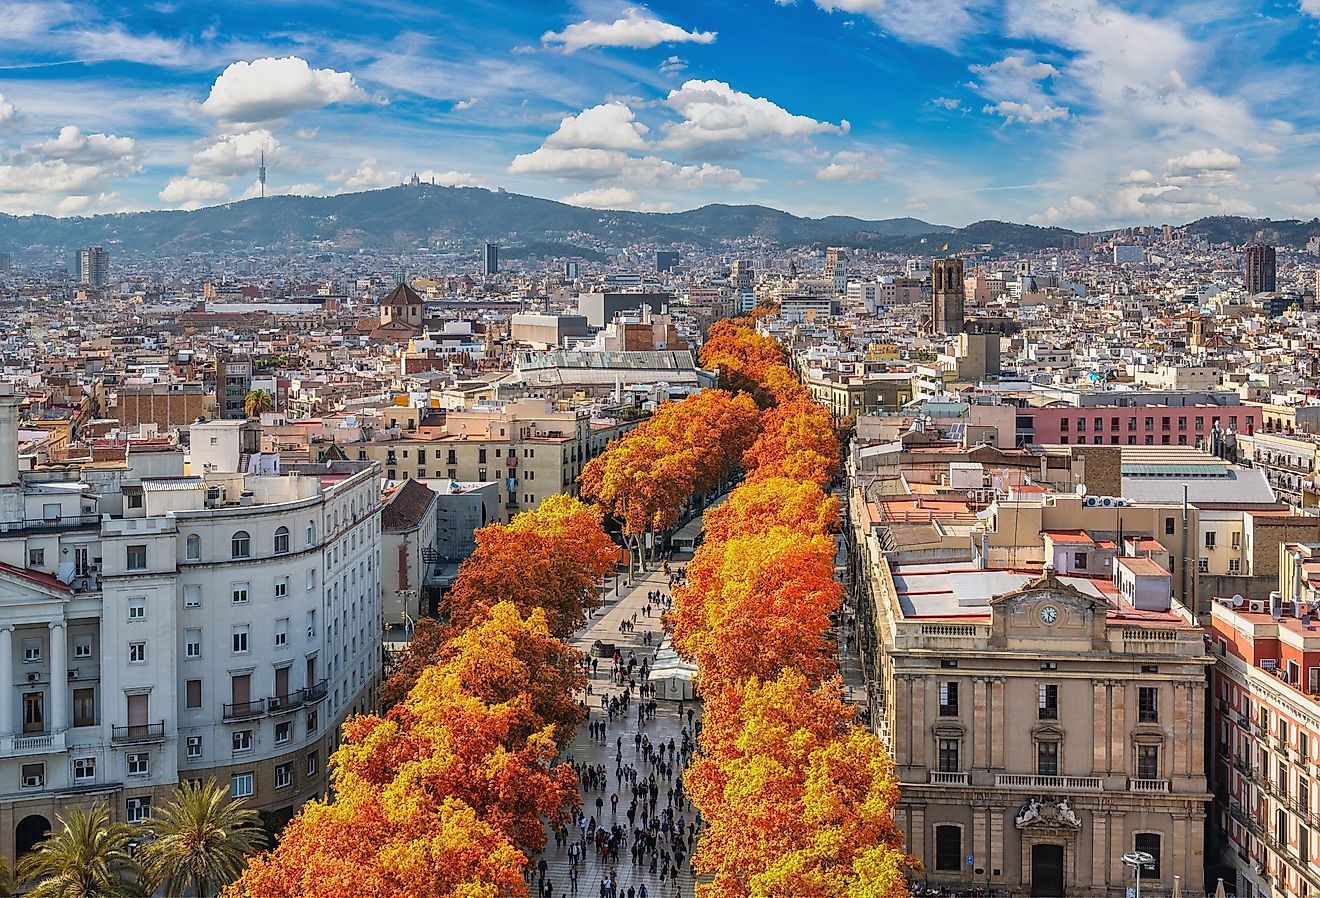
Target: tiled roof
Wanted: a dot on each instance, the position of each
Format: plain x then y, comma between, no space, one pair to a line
406,507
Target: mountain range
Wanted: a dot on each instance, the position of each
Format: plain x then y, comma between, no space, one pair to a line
412,216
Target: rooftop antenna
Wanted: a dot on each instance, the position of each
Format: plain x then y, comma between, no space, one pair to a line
261,172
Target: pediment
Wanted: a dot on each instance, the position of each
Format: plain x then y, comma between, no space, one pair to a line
20,587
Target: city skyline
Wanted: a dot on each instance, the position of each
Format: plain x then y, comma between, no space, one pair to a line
1085,114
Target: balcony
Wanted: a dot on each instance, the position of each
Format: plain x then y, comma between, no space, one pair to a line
940,778
1049,783
1138,785
282,704
35,744
68,522
141,732
245,710
314,693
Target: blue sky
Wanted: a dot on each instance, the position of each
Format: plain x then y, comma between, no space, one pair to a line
1083,113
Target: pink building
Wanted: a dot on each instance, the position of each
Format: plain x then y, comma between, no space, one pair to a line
1144,425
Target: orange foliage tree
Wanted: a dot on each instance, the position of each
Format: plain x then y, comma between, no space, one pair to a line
797,441
799,802
549,558
772,502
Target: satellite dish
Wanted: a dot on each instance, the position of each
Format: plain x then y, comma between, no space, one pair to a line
1081,490
1238,600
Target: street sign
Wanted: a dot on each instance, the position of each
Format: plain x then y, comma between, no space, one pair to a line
970,861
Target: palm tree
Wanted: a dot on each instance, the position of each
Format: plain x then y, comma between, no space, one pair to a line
6,882
258,401
202,840
87,857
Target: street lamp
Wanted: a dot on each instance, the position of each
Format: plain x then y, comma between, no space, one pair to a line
1139,860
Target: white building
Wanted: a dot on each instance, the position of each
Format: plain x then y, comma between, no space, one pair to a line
165,627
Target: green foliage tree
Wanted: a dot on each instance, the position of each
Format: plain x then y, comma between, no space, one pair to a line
202,839
86,857
256,402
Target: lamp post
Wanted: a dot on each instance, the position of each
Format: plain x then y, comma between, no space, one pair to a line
1139,860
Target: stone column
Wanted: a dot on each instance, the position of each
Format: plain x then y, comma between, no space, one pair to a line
6,681
996,855
1099,849
1100,753
59,679
1118,731
995,731
980,723
920,733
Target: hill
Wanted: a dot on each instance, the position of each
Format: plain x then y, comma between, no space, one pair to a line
1238,231
406,217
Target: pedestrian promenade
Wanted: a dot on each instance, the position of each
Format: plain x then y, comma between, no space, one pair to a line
627,878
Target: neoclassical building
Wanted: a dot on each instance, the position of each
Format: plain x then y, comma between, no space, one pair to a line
1041,726
157,626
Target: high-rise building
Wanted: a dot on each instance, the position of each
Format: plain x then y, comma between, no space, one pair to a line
947,293
836,267
492,258
571,270
665,260
233,381
1260,276
94,267
741,275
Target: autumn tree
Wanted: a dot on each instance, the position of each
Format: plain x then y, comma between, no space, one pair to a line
760,505
797,441
549,558
404,666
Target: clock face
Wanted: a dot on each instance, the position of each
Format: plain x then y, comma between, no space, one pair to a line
1049,614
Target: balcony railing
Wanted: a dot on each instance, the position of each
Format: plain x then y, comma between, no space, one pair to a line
280,704
241,710
68,522
139,732
940,778
1139,785
1060,783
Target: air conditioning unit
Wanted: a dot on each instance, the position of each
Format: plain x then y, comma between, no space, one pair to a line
1256,606
73,675
311,632
33,782
1106,502
1260,869
34,677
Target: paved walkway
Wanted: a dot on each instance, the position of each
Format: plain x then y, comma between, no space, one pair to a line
665,725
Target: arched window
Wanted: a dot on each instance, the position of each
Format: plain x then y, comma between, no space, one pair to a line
282,541
240,545
311,533
192,550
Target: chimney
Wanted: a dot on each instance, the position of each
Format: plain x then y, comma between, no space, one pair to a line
8,435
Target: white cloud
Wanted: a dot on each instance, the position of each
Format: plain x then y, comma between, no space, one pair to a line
1199,161
673,65
235,154
568,163
306,133
463,105
1311,7
582,163
638,28
267,89
1025,113
609,126
1138,176
8,112
1074,209
368,176
74,146
915,205
848,166
450,178
304,189
603,198
70,164
193,193
716,116
938,23
949,103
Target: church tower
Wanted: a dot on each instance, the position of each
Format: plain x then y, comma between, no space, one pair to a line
947,294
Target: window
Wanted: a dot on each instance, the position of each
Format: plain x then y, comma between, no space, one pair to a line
1210,539
240,640
1048,702
283,776
84,707
281,587
283,732
31,651
137,810
311,579
311,722
137,653
949,699
137,608
136,558
194,747
1148,704
240,545
192,597
1079,561
1234,566
311,764
948,848
1235,539
1168,526
1303,844
139,764
242,741
192,643
240,785
1047,759
1203,565
1148,762
948,757
36,557
238,593
82,646
282,541
193,690
1150,843
311,533
192,548
311,624
32,776
84,770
